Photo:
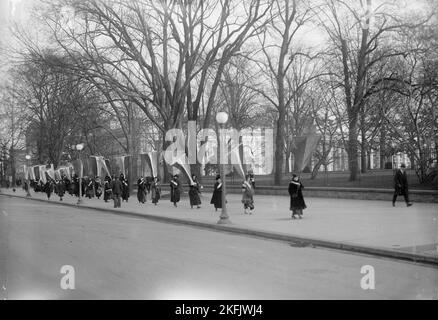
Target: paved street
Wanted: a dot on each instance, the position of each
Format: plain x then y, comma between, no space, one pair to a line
133,258
362,222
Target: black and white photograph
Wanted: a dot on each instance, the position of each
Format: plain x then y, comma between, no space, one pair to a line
218,153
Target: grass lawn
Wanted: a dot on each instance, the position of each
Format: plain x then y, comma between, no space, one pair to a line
381,179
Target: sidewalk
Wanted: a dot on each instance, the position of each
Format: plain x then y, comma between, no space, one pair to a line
372,227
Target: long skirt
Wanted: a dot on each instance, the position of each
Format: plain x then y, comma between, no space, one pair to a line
141,195
216,199
195,200
155,195
175,195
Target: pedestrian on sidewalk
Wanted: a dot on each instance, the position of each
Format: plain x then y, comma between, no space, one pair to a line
216,199
107,191
401,185
248,195
175,190
48,188
60,188
125,187
89,189
148,184
155,190
297,204
98,187
194,192
141,190
116,187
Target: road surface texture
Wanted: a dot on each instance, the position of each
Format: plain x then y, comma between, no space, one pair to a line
360,222
121,257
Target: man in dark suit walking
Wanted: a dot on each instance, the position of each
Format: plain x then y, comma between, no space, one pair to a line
401,185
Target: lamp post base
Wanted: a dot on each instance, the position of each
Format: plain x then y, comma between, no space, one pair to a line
224,219
80,201
28,195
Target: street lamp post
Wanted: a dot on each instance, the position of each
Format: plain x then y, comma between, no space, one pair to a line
79,147
27,180
222,118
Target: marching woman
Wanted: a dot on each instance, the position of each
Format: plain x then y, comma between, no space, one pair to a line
89,188
49,188
60,188
248,195
194,192
216,199
125,187
141,192
175,190
107,189
297,204
98,187
148,183
155,190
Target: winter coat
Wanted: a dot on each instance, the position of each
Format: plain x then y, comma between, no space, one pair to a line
401,182
216,198
194,192
175,191
296,196
155,192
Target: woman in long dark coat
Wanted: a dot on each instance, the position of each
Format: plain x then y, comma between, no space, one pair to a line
48,188
125,187
216,199
155,190
194,192
98,187
175,190
89,188
141,191
297,204
60,188
107,189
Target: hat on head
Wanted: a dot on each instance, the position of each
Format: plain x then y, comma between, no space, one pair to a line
218,177
402,165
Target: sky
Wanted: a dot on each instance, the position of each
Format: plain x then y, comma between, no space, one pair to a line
18,11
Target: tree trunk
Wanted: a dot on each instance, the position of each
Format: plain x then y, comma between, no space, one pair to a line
286,164
279,146
382,148
363,158
13,170
352,147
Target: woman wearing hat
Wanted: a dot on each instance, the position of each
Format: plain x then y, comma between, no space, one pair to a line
194,192
248,195
141,191
216,199
155,190
297,204
175,190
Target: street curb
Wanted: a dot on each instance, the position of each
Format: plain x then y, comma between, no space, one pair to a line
314,242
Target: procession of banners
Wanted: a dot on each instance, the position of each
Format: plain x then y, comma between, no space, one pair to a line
94,166
151,164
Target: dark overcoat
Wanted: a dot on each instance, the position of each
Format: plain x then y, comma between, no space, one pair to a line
401,182
194,192
216,199
175,191
141,191
296,196
155,192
